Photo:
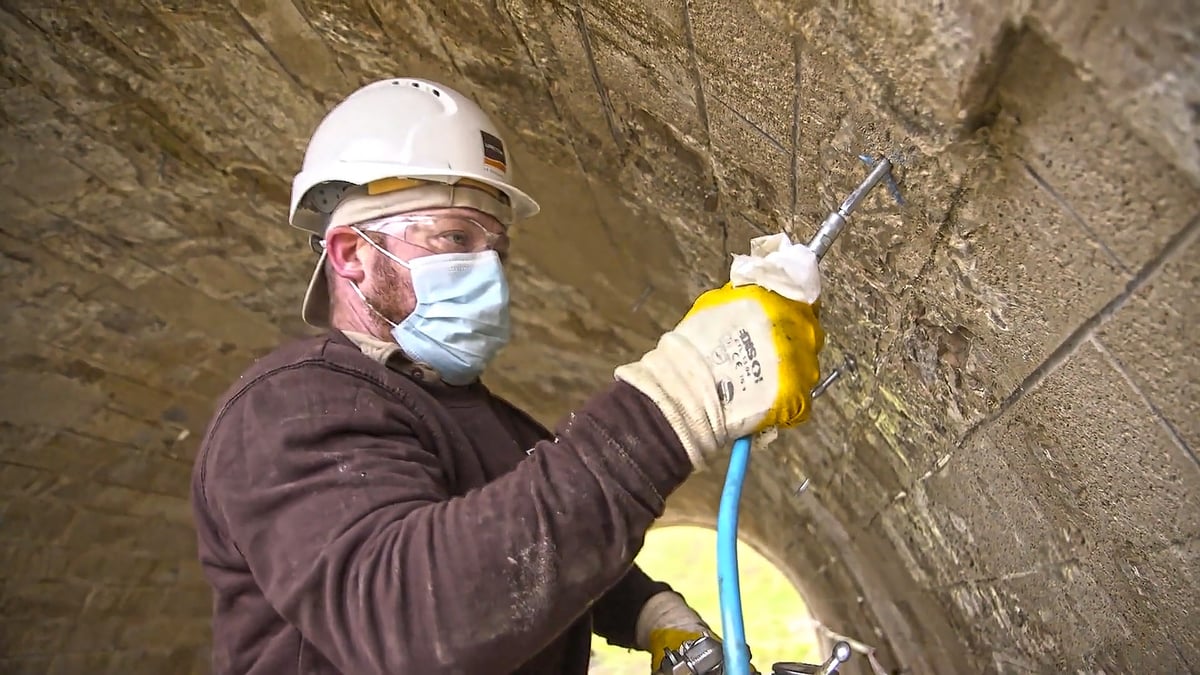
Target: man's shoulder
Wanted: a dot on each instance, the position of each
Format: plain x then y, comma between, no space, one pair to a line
326,348
331,355
324,372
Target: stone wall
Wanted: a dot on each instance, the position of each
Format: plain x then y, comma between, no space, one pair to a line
1009,483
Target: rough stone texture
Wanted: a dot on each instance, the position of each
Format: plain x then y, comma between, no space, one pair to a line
1009,484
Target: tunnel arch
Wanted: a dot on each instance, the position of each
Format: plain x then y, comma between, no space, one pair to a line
1009,484
681,551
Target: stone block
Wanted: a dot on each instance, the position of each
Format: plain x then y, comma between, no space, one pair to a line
748,79
302,51
223,278
145,35
189,604
46,399
157,659
210,383
117,565
1018,275
134,399
185,307
27,665
18,481
100,636
225,128
1015,494
38,636
1105,460
504,67
32,558
975,503
931,66
1168,577
61,453
577,134
42,599
640,62
672,176
22,102
1152,340
172,539
121,431
1127,197
582,236
97,528
816,448
401,36
1077,608
885,250
747,64
34,58
859,492
125,500
1135,53
369,43
1150,630
86,662
928,549
43,178
152,155
283,114
147,472
98,252
114,351
59,132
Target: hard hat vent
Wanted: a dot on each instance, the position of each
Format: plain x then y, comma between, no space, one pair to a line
423,86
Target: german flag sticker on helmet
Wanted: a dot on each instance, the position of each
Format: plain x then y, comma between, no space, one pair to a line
493,152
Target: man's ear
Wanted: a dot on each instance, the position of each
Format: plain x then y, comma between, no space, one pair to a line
344,248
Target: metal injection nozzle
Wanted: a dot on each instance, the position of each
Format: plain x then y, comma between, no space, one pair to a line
835,222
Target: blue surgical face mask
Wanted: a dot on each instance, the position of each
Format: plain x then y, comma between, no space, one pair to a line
461,318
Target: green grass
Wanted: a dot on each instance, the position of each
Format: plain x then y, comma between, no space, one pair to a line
776,620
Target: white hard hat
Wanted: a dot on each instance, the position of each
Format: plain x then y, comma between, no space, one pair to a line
398,132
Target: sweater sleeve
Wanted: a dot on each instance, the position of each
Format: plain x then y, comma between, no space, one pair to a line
341,512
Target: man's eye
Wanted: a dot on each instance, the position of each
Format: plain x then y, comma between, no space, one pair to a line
454,238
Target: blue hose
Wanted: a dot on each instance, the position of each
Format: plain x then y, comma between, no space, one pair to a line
736,653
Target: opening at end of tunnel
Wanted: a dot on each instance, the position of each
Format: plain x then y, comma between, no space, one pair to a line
777,622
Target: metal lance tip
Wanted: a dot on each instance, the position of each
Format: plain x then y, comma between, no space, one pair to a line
835,222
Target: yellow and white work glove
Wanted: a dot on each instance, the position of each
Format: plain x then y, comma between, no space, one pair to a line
666,622
744,358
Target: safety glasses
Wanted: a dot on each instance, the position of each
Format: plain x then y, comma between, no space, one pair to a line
440,233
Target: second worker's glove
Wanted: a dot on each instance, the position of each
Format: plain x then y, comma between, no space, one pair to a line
742,359
667,622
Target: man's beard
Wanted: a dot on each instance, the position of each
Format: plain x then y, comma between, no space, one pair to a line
392,295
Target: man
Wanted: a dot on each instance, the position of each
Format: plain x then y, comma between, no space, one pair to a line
365,505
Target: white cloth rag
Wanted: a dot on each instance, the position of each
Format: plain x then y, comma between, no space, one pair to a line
775,263
778,265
